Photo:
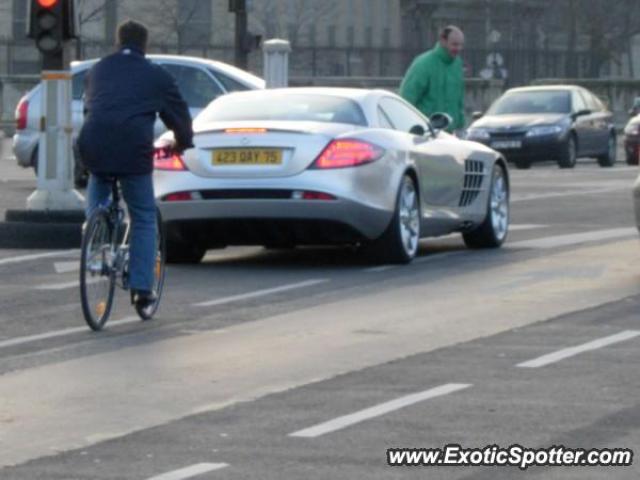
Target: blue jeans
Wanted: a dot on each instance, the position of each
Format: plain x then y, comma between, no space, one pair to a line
137,191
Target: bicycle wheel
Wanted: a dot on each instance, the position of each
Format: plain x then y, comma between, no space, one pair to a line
149,311
97,278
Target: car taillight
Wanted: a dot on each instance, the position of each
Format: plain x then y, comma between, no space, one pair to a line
21,114
178,197
166,158
347,153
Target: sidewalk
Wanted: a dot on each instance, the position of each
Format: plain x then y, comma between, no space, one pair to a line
16,185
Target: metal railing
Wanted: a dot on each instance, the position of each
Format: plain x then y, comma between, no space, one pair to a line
521,66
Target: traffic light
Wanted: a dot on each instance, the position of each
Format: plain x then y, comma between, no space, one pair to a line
237,6
51,22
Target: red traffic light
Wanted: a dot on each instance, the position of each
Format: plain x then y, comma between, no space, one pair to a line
47,3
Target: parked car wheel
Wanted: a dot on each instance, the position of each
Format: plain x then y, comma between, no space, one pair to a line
609,158
569,155
632,159
34,161
399,243
523,164
495,227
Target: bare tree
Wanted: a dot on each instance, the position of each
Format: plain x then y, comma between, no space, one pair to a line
176,19
266,17
90,12
609,27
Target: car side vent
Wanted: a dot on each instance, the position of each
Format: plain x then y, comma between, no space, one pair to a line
473,175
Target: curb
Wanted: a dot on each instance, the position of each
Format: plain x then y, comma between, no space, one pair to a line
26,229
44,216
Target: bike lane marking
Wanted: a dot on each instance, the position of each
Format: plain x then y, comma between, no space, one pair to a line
368,413
191,471
585,347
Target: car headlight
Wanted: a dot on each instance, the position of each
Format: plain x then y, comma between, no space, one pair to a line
545,130
478,134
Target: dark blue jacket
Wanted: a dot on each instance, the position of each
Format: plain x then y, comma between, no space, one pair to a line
123,93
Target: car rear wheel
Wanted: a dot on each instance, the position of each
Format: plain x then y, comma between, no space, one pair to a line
609,158
34,160
632,159
399,243
569,155
182,252
523,164
495,227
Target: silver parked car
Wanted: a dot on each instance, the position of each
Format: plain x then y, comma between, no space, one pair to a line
316,166
200,81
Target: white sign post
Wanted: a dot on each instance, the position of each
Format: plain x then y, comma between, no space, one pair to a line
55,150
276,63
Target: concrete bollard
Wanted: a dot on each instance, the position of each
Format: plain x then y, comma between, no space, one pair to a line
276,63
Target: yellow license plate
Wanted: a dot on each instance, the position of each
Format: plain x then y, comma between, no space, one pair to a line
247,156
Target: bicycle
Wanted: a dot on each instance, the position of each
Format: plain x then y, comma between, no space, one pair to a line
104,262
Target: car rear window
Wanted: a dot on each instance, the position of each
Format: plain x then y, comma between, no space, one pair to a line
285,107
532,102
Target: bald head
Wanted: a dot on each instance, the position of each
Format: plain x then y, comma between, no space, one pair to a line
452,39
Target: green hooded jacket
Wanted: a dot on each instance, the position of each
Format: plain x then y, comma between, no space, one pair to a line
435,83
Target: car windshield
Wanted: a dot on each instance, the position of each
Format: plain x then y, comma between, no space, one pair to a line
532,103
286,107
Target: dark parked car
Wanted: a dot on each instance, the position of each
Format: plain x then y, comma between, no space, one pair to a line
632,140
560,123
200,80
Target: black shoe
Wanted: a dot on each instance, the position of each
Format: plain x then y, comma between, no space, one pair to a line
143,298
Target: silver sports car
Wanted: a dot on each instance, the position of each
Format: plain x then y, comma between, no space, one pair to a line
301,166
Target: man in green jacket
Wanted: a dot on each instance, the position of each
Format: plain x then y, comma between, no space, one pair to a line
435,80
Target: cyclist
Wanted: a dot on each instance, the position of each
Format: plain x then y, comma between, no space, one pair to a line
123,94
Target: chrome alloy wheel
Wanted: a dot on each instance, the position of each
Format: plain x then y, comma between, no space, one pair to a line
409,213
499,204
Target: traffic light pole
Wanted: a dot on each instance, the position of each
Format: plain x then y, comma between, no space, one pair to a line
241,60
52,23
55,150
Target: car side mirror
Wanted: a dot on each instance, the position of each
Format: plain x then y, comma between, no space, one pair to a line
417,130
477,115
440,121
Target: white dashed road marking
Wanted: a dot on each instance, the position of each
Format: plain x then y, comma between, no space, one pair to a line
572,351
525,226
66,267
58,286
260,293
189,472
576,238
12,342
372,412
381,268
534,196
37,256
